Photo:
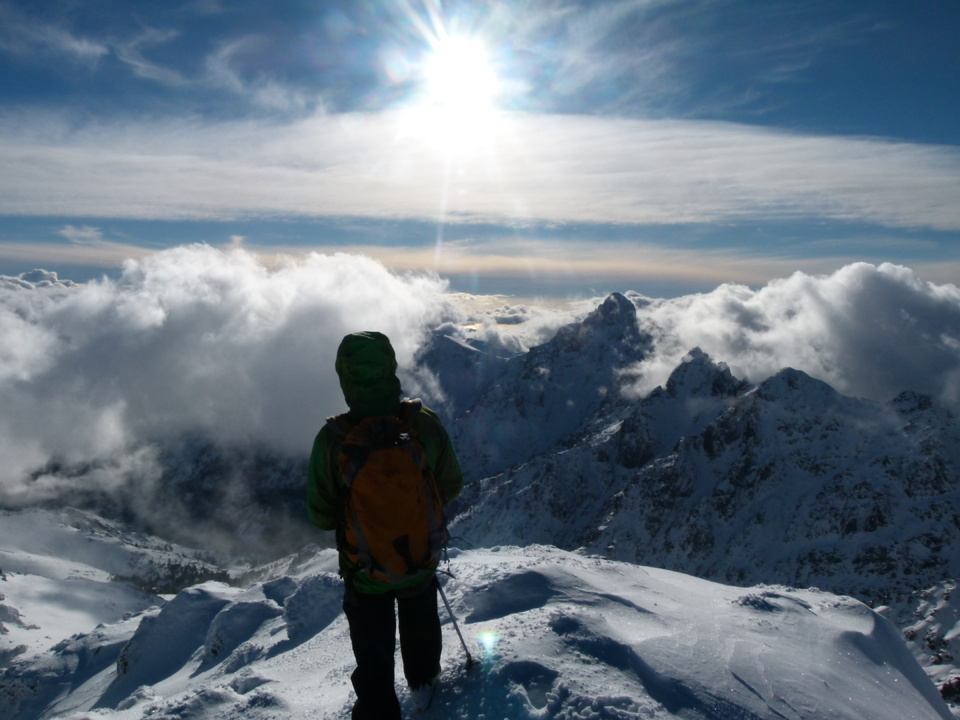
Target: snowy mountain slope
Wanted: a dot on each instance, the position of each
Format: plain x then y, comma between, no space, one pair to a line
59,570
463,368
932,631
545,395
786,482
558,635
802,485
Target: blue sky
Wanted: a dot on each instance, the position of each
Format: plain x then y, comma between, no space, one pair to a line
535,147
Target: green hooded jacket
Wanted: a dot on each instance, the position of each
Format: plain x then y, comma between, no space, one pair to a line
367,366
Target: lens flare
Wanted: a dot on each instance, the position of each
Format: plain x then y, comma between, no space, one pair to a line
488,640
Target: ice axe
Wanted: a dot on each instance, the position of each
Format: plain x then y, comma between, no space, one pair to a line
470,660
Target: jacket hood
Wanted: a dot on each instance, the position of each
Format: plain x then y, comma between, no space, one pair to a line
367,368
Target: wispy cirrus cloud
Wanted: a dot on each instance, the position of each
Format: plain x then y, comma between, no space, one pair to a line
27,36
536,168
131,52
221,71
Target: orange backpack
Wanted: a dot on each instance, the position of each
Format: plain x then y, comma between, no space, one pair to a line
393,527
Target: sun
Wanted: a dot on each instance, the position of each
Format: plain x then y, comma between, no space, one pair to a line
459,76
456,107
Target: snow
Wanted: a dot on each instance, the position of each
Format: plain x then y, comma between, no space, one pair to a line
556,635
58,570
785,481
934,633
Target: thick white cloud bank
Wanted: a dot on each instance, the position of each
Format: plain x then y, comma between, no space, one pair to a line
199,340
189,340
869,331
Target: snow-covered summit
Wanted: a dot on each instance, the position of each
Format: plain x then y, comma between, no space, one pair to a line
557,635
545,395
699,375
696,392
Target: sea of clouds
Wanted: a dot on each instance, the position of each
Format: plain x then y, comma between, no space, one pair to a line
97,376
869,331
191,340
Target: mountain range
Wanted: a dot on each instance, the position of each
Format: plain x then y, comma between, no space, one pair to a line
783,481
772,484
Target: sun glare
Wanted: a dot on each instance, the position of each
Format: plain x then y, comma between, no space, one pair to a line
459,76
456,110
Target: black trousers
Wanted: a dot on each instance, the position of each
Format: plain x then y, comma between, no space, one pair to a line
373,629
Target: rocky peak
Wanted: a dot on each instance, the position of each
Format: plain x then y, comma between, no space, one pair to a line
545,396
795,389
698,375
911,403
615,311
610,335
696,393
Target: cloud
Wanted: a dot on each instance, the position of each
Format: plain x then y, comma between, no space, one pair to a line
563,169
96,380
511,328
26,36
130,52
221,72
870,331
84,235
189,340
656,58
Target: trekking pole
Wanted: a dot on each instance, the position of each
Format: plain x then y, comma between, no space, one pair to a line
470,661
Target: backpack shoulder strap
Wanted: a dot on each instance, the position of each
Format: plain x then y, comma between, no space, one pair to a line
340,425
409,409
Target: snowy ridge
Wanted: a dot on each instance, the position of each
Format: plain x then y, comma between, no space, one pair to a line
558,635
544,396
786,482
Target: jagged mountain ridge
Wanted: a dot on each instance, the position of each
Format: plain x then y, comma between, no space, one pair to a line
787,481
543,397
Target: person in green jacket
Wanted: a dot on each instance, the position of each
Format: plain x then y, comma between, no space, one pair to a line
366,365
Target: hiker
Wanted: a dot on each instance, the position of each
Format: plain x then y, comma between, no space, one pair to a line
366,365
